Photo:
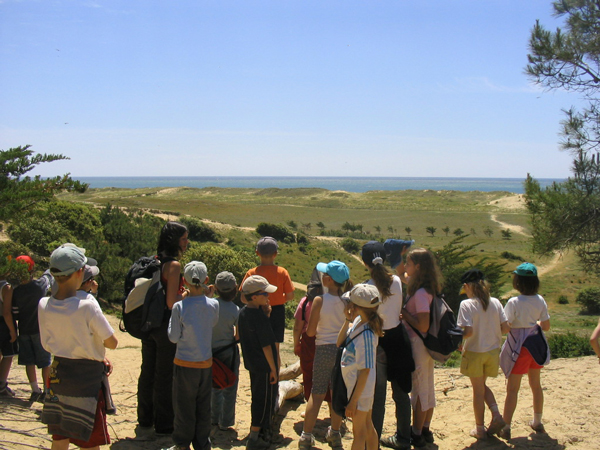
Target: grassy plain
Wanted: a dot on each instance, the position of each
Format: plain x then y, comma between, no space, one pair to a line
239,209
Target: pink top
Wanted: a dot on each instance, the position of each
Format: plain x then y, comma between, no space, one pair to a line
298,313
418,303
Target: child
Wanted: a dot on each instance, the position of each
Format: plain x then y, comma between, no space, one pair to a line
8,337
526,350
26,297
76,332
483,322
89,284
190,327
594,340
266,249
358,361
399,367
326,319
260,359
224,347
424,281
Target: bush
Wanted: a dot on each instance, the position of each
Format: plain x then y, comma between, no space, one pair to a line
590,301
198,231
563,300
511,256
219,258
279,232
569,345
350,245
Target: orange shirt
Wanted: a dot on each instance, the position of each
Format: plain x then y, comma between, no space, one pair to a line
277,276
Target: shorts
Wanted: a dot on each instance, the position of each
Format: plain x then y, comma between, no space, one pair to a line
325,356
32,353
277,320
524,362
99,435
476,364
7,348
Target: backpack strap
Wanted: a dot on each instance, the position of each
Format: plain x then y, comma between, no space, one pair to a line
347,342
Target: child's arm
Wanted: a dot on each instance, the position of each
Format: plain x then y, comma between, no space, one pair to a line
467,332
111,342
268,351
298,325
545,324
172,272
7,292
594,340
421,323
289,296
504,327
315,315
361,382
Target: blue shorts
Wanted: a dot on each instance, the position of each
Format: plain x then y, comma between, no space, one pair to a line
7,348
32,353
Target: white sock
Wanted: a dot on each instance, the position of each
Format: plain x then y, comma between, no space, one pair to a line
537,419
305,435
35,388
494,409
480,429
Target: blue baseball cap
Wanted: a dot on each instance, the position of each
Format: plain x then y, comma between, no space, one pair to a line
526,270
336,270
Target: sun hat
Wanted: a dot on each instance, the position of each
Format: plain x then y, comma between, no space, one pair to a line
526,270
470,276
393,250
195,273
225,282
373,253
336,270
67,259
90,272
266,245
27,260
256,283
364,295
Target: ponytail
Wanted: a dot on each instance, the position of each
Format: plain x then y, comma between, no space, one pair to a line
481,291
382,279
373,319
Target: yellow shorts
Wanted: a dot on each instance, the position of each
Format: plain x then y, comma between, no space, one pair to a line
476,365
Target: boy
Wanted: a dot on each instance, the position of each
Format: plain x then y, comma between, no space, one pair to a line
260,358
190,327
266,249
76,332
89,285
224,347
26,297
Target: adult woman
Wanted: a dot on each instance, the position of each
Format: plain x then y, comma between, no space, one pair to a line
155,405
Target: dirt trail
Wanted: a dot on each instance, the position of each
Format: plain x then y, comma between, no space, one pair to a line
514,228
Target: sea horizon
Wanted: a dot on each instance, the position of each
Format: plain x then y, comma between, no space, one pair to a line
349,184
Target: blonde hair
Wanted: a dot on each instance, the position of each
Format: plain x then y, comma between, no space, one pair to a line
481,291
374,320
428,276
383,280
344,287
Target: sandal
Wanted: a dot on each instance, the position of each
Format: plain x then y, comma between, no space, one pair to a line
537,428
496,426
474,433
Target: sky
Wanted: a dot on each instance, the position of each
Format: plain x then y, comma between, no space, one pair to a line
407,88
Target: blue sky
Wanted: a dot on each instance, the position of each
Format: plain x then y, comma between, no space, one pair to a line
279,88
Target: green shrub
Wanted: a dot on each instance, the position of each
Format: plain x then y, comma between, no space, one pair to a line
563,300
279,232
589,299
454,360
219,258
511,256
350,245
569,345
198,231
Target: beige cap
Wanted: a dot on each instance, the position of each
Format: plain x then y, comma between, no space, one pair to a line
256,283
365,295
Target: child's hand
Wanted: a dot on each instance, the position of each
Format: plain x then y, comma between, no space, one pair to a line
351,408
13,336
297,349
348,312
210,292
108,367
266,309
273,377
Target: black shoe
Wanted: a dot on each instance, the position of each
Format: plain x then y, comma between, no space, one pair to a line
427,435
392,442
417,440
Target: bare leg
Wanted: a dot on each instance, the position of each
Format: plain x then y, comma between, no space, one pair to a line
478,384
45,376
5,364
359,430
536,390
312,412
63,444
512,395
31,374
420,417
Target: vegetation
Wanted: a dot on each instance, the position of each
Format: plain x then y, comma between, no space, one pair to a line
567,215
589,299
569,345
279,232
350,245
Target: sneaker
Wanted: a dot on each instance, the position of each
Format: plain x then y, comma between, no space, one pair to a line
144,433
417,440
7,392
306,444
258,443
392,442
496,425
477,434
178,447
334,439
427,435
504,433
35,396
537,428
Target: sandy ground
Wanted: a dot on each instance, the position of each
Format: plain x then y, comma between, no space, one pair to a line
571,389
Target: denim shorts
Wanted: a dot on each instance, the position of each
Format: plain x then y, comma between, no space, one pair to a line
32,353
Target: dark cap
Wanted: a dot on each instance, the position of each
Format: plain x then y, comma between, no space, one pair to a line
373,253
472,275
266,245
225,282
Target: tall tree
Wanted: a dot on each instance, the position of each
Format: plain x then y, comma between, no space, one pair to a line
19,192
567,215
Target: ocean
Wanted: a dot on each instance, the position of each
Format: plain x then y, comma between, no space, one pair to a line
349,184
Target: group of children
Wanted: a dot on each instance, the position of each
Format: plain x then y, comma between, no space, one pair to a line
376,326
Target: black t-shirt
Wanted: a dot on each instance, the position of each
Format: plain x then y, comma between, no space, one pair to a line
26,298
256,333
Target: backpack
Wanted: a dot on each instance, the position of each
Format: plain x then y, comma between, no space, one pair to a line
444,335
222,375
339,392
145,300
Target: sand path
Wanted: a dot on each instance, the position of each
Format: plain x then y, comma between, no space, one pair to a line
514,228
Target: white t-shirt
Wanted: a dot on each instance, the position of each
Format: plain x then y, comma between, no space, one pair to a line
391,307
73,328
525,310
487,334
360,354
331,319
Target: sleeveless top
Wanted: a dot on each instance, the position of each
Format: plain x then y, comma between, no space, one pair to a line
331,319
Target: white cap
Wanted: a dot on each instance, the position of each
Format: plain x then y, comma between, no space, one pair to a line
365,295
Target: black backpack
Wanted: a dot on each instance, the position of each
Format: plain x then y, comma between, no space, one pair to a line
444,335
339,392
144,302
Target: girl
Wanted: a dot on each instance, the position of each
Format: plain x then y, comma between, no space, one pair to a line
358,361
155,406
394,341
424,281
326,319
526,350
483,322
